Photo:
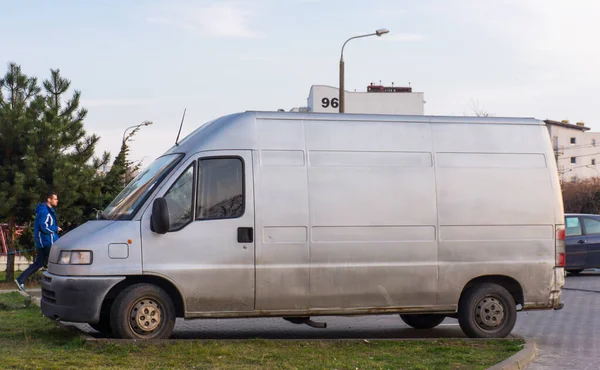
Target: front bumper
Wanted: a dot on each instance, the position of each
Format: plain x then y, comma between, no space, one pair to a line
75,298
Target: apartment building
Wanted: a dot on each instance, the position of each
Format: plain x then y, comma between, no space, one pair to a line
577,150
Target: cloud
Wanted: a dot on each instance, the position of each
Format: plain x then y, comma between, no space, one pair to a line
404,37
220,20
553,37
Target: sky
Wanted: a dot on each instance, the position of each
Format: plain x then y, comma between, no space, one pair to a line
148,60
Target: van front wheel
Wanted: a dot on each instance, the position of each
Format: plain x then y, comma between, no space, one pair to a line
143,311
423,321
487,311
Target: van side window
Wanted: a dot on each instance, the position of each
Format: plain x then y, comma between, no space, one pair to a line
221,189
573,226
179,199
591,225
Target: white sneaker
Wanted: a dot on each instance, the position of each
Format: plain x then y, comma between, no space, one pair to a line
20,285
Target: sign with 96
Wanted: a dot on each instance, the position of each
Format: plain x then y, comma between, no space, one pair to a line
327,102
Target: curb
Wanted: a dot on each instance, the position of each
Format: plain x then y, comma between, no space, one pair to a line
183,340
32,299
520,359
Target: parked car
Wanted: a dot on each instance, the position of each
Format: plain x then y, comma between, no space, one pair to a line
582,242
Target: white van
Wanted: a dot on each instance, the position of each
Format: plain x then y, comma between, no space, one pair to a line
296,215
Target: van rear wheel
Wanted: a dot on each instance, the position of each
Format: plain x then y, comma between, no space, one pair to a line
143,311
423,321
487,311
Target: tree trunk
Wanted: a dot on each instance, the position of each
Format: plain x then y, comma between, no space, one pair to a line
10,258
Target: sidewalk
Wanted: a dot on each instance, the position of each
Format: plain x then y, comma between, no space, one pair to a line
37,292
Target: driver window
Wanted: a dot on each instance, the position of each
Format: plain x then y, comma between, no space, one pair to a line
180,200
221,189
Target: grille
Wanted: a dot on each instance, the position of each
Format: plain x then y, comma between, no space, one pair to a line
48,296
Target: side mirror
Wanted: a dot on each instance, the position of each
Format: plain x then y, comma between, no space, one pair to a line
160,216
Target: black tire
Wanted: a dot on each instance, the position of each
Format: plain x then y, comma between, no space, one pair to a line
102,326
487,311
424,321
143,311
575,272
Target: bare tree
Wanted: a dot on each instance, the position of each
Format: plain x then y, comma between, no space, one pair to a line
478,110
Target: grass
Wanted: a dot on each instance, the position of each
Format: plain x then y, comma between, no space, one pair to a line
28,340
34,280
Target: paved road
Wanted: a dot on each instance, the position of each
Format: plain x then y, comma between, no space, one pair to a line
567,339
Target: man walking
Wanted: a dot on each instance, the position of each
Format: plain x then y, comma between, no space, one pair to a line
45,232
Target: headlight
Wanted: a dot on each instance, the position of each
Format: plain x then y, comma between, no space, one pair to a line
75,258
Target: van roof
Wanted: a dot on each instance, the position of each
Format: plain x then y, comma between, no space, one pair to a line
395,118
237,131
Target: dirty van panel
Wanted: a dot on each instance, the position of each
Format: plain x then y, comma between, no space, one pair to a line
372,213
491,174
496,206
282,254
209,250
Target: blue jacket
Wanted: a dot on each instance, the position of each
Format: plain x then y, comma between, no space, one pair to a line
45,229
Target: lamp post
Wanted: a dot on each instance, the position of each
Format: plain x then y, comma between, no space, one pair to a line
145,123
379,32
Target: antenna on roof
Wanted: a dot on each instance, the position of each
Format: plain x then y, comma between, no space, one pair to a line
180,126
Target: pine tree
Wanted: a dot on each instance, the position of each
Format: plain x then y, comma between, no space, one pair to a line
20,112
122,170
43,146
68,161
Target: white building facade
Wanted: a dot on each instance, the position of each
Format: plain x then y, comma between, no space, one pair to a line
577,150
376,100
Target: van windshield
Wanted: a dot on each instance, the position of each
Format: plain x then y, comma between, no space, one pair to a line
126,204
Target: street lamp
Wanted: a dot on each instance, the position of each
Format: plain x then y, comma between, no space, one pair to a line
145,123
379,32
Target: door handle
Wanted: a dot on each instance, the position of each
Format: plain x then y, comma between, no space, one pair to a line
581,242
245,235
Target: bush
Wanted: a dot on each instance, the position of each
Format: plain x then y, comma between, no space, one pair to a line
582,196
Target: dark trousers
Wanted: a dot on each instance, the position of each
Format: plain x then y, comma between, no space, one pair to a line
41,260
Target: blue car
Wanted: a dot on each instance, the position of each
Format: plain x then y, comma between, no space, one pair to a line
582,242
